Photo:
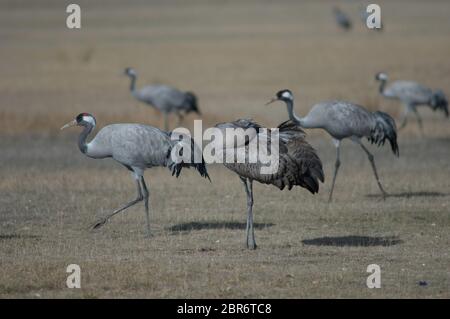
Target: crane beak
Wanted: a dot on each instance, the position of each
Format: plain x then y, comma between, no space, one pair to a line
71,123
272,100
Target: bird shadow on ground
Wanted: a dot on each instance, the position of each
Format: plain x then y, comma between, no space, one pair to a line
440,139
411,194
353,241
187,227
18,236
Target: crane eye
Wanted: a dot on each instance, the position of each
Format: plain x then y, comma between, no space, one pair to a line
79,118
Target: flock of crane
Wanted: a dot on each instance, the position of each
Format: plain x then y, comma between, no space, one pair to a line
344,21
138,146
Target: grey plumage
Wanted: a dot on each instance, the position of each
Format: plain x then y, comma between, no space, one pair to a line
342,19
164,98
363,14
137,147
346,120
384,129
298,163
412,95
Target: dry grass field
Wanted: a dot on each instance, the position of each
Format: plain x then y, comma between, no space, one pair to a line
235,55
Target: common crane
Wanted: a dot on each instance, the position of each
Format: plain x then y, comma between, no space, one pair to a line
345,120
164,98
412,95
342,19
137,147
298,163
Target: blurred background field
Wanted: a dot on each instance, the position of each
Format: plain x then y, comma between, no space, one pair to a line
235,55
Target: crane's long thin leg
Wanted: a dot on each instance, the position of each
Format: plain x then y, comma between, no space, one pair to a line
250,234
337,143
146,194
404,118
166,121
372,161
251,242
139,198
419,120
180,118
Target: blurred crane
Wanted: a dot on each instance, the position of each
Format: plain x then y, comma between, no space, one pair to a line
412,95
164,98
342,19
345,120
137,147
298,163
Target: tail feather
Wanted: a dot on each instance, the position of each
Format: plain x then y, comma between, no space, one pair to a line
311,184
200,167
384,129
304,167
179,159
439,102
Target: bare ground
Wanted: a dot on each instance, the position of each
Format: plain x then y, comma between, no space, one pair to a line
236,56
308,248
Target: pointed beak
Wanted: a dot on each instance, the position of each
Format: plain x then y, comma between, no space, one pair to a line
71,123
272,100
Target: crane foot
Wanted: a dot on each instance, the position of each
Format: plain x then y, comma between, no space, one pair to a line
148,235
99,223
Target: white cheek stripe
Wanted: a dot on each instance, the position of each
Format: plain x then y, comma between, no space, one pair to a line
287,95
89,120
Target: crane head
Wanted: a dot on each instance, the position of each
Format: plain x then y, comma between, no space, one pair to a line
192,102
82,119
381,76
283,95
130,72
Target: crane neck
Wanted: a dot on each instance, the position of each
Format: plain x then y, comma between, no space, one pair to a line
292,116
82,145
132,82
382,86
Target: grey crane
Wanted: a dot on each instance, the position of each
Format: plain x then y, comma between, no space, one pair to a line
342,19
164,98
345,120
137,147
412,95
298,163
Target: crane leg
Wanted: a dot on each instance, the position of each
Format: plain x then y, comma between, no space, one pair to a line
372,162
180,118
250,234
139,198
337,143
404,118
166,121
419,121
146,198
